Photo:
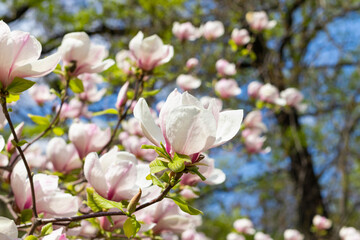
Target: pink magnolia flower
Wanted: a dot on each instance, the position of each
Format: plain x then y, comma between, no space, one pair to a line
227,88
254,88
79,53
187,82
64,157
254,120
192,234
269,93
133,127
91,92
126,62
259,21
150,52
240,37
122,97
74,109
185,31
18,131
293,234
50,200
133,145
41,94
205,101
20,53
293,98
186,127
224,68
321,223
8,229
262,236
254,144
244,225
36,158
88,137
212,30
86,230
116,175
234,236
188,193
56,235
349,233
191,63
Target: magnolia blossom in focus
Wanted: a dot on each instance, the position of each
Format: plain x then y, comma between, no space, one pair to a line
293,234
82,56
18,130
269,93
262,236
20,52
126,62
88,137
234,236
185,31
8,229
50,200
191,63
116,175
254,88
64,157
259,21
244,225
224,68
186,127
240,37
150,52
41,94
187,82
321,223
227,88
349,233
212,30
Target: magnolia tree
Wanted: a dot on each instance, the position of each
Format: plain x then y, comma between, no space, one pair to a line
80,179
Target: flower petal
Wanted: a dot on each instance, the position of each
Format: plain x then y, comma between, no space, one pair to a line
8,228
94,174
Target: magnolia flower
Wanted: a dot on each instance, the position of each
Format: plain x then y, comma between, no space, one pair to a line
349,233
50,200
18,130
191,63
116,175
212,30
185,31
244,225
8,229
321,223
253,89
133,145
41,94
240,37
206,100
293,98
259,21
254,120
56,235
293,234
122,97
85,230
269,93
254,143
234,236
91,92
224,68
82,56
87,137
20,52
126,62
262,236
64,157
187,82
35,157
191,234
186,127
150,52
188,193
74,109
227,88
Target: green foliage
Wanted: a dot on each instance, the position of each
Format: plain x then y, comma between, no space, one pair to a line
39,119
19,85
76,85
26,215
106,111
46,230
185,207
131,227
98,203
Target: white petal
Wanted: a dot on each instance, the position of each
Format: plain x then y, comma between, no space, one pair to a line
8,227
2,142
58,205
148,125
94,174
217,177
18,184
142,171
228,126
135,44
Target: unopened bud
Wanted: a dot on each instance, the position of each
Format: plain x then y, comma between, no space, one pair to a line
122,98
133,202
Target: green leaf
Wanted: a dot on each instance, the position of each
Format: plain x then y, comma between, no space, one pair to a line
90,200
19,85
177,165
157,166
156,181
131,227
58,131
39,119
76,85
46,230
26,215
99,203
53,91
182,157
19,144
31,237
185,207
146,94
12,98
74,224
106,111
165,177
195,170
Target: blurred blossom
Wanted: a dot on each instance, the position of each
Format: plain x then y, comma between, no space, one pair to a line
41,94
122,96
185,31
57,234
91,92
150,52
227,88
74,109
126,62
205,101
254,120
293,98
269,93
8,229
191,63
349,233
240,37
254,144
85,230
192,234
188,193
321,222
224,68
18,130
262,236
133,145
293,234
234,236
244,225
254,88
187,82
212,30
259,21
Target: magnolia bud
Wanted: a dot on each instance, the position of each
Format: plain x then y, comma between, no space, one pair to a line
121,99
133,202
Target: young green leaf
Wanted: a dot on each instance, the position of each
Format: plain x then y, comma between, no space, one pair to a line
157,166
26,215
58,131
177,165
156,181
19,85
131,227
185,207
12,98
39,119
76,85
31,237
46,230
102,203
106,111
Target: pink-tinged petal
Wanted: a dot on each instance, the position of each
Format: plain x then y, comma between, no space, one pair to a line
4,28
55,235
148,125
99,139
169,53
75,46
135,44
100,67
45,184
217,177
190,130
94,174
18,185
228,126
143,170
58,205
8,228
37,68
6,58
